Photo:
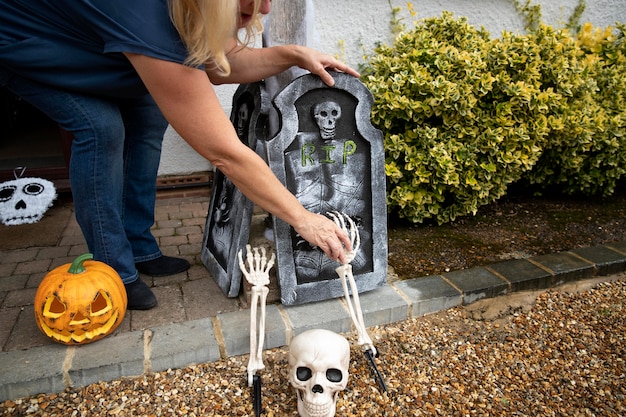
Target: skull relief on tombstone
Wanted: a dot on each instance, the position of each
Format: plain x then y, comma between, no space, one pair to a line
318,370
326,115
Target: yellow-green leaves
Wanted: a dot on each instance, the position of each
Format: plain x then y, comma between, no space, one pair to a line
465,115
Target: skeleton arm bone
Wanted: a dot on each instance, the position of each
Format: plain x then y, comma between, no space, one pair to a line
345,273
257,274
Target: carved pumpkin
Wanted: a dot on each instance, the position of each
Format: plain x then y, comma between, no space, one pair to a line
80,302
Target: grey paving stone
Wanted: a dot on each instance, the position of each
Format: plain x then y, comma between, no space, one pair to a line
107,359
20,298
13,282
330,315
429,294
522,274
181,344
235,328
7,268
477,283
383,306
28,334
33,371
607,261
566,267
619,246
7,321
19,255
203,298
53,252
169,309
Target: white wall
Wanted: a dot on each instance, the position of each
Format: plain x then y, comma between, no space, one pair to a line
178,158
351,28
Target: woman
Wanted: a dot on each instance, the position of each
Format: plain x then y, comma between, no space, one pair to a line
114,73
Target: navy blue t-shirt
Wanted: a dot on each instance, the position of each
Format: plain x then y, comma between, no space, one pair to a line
78,44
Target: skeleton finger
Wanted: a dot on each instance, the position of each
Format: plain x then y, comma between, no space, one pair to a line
270,263
345,223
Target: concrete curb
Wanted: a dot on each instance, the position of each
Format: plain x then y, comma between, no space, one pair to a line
53,368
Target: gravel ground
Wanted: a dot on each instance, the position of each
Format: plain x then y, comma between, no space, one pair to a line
555,353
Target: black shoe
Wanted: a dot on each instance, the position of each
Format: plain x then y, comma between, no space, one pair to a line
162,266
140,296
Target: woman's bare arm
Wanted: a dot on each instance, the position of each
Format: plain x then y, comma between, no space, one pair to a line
255,64
187,99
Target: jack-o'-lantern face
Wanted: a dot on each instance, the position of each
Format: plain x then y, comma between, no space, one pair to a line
82,304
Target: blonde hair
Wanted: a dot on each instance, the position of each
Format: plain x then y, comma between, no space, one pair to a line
206,26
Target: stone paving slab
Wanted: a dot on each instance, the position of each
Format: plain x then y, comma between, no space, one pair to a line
522,274
565,267
428,295
332,315
181,344
477,283
27,372
105,359
606,260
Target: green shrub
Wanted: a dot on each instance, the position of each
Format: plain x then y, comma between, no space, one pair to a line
587,155
464,116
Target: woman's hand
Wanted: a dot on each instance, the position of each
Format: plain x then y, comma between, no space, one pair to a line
319,63
322,232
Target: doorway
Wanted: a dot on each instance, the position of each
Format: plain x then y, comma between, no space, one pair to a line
30,140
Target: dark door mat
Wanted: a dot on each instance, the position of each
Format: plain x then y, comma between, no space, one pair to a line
47,232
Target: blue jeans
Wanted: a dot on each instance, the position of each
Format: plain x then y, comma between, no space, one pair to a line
113,168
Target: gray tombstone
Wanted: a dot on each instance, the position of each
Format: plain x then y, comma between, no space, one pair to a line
227,227
328,154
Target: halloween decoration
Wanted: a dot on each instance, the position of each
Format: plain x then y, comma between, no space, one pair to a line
318,370
328,154
81,302
257,274
354,306
25,200
326,115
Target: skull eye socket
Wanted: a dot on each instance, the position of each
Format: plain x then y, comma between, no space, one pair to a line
7,192
303,373
334,113
33,188
334,375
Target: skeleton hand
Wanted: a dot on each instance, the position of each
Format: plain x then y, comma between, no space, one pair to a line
259,266
347,224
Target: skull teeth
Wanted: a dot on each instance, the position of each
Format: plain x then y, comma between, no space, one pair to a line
327,132
317,410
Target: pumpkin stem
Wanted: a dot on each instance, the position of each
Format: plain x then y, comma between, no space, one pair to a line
77,266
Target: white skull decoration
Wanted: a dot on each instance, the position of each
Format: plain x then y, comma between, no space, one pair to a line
318,369
326,115
25,200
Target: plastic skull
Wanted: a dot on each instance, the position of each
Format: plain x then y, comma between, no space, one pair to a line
25,200
318,369
326,115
